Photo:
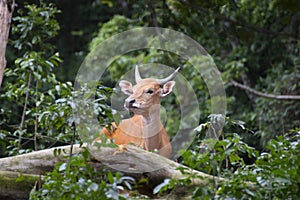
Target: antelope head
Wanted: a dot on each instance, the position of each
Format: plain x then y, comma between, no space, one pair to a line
146,94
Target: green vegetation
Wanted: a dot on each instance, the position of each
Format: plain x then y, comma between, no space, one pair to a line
76,179
255,43
272,174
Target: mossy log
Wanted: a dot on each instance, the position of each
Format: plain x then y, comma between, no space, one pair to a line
16,185
19,174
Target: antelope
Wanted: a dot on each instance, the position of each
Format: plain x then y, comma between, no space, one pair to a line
144,129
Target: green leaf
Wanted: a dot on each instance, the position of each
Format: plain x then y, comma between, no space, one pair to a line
21,178
110,177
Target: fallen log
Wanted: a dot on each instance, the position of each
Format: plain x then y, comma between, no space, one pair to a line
19,174
136,162
15,185
132,161
37,162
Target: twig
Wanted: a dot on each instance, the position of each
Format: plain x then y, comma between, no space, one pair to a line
35,133
265,95
36,119
24,109
73,138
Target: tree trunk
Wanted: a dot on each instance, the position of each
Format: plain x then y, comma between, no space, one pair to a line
6,11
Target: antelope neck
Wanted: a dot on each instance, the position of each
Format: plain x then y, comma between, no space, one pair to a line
152,117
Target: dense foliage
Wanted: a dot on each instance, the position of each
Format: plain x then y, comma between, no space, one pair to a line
274,174
76,179
33,115
256,43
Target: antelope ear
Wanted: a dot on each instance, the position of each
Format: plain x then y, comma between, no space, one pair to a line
126,87
167,88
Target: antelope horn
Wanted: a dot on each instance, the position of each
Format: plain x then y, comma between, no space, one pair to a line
169,78
137,74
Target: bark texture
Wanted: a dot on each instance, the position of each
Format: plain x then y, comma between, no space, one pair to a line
6,11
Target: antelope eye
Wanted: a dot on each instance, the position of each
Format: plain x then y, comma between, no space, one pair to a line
150,91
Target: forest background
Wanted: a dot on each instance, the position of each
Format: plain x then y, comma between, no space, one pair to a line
254,44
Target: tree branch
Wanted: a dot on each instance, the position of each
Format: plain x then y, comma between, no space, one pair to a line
265,95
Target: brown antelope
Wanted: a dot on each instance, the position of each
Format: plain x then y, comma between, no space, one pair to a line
144,129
